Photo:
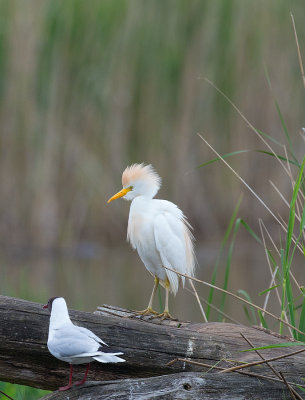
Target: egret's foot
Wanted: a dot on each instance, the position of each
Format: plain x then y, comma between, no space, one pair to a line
147,311
164,315
63,388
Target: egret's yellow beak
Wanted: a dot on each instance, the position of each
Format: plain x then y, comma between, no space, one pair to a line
121,193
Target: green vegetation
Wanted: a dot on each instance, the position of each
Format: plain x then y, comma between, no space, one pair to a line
289,291
19,392
87,89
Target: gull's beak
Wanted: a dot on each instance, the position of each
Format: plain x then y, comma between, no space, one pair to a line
121,193
45,306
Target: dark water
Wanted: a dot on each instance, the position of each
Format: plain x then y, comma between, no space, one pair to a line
89,275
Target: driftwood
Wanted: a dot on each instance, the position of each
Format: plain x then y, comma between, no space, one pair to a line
187,385
148,345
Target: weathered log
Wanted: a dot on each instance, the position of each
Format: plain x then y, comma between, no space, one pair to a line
182,386
148,345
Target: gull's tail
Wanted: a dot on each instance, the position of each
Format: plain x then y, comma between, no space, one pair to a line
108,355
109,358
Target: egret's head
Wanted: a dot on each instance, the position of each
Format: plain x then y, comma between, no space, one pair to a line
138,180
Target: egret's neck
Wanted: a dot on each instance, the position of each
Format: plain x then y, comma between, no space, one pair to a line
140,203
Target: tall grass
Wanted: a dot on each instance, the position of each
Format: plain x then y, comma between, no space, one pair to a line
289,291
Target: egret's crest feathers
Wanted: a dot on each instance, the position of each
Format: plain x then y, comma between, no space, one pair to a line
141,174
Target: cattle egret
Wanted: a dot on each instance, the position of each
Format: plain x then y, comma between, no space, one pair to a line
75,344
159,232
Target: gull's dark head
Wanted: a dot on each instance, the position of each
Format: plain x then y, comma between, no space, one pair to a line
50,303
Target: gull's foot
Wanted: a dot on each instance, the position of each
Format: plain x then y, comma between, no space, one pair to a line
164,315
78,383
63,388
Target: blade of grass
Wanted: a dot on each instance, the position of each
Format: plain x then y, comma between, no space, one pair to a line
198,301
302,323
246,295
294,394
287,261
245,183
228,266
276,346
246,311
269,137
260,314
235,296
251,364
262,320
239,222
223,243
298,49
292,209
247,121
233,153
211,367
223,156
226,316
270,260
268,290
293,162
280,115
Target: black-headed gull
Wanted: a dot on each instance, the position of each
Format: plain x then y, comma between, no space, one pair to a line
75,344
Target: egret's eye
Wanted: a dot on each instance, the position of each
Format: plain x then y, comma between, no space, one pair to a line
130,188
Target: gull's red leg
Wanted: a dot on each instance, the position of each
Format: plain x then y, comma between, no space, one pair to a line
85,377
70,381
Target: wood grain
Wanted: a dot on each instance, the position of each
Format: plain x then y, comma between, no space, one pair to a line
182,386
148,345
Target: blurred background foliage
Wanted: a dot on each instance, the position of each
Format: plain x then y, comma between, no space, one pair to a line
87,88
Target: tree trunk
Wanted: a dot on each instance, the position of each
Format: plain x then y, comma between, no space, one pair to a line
186,385
148,345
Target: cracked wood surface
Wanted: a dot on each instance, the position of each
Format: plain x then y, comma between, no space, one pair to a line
148,345
182,386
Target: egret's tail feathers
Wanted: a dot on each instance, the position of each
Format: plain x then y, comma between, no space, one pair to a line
189,249
173,279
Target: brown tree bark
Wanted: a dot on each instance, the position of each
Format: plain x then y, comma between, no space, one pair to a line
148,345
182,386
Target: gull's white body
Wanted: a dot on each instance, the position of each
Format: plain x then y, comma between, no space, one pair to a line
157,230
74,344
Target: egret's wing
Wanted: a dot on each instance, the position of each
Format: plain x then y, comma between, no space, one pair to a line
182,228
169,238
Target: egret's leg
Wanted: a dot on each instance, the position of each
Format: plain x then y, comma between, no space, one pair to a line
156,284
149,309
165,313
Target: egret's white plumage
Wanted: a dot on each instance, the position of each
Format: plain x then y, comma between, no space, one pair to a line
75,344
157,229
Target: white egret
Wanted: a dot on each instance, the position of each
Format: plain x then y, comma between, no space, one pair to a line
158,230
75,344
